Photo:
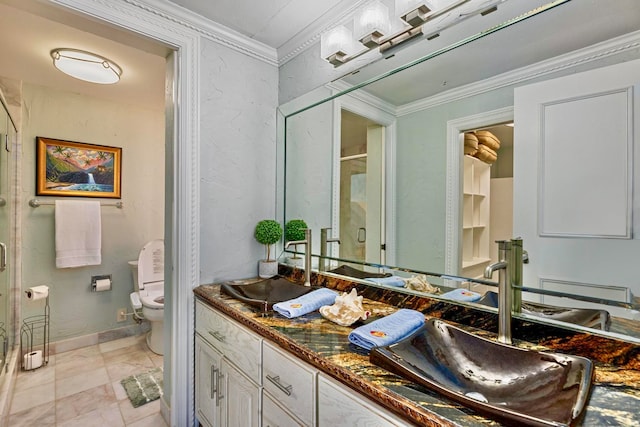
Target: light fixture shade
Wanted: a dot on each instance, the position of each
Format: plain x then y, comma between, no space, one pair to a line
371,20
337,42
86,66
405,6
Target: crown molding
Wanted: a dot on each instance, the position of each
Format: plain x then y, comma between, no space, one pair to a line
365,97
209,29
621,44
311,34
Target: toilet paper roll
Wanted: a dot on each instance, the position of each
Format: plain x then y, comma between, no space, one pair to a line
37,292
32,360
103,285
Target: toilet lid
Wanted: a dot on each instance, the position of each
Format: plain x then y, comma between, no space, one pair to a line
155,302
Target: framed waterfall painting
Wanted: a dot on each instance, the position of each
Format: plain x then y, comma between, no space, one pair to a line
65,168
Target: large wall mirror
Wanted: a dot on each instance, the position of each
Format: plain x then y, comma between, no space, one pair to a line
385,162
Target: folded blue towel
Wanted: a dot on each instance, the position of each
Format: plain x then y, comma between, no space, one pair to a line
388,330
389,281
462,295
306,303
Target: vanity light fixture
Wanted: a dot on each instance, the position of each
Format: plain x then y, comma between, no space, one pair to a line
86,66
371,27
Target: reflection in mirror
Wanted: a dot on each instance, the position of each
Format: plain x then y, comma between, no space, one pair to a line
361,190
439,213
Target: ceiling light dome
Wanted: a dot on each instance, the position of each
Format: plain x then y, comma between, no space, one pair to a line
86,66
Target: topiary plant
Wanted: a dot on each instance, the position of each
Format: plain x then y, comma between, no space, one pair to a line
294,230
268,232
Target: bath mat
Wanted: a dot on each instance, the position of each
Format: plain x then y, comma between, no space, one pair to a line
143,388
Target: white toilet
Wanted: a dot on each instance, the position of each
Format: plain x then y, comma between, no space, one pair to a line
148,283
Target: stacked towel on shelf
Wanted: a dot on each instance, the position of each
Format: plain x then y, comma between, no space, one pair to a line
306,303
488,145
487,139
462,295
470,143
481,144
388,330
396,281
486,154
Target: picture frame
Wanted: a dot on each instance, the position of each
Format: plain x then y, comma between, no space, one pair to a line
67,168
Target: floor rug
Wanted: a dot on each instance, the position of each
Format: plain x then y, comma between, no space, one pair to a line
143,388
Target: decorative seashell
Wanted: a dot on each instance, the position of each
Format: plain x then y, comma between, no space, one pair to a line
346,310
420,283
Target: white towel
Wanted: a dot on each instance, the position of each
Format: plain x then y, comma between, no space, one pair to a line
78,233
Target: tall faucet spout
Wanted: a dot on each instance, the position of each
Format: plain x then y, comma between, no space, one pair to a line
307,254
504,290
324,241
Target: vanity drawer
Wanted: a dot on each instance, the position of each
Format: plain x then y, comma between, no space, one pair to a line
291,382
240,346
275,416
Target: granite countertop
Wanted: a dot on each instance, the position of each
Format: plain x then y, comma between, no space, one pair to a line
614,398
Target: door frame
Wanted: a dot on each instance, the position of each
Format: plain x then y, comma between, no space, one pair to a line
181,185
455,153
383,118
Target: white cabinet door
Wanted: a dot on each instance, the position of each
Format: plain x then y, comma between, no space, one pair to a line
575,161
207,373
239,398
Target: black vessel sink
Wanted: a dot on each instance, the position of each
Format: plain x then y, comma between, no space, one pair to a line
516,386
589,317
265,292
345,270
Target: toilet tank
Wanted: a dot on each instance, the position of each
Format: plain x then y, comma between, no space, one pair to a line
134,273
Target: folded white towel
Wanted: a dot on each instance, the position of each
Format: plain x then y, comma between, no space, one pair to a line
388,330
306,303
78,233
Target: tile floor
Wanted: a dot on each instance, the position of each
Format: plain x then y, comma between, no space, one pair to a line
82,388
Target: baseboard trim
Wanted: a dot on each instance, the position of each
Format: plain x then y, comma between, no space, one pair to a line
98,338
165,410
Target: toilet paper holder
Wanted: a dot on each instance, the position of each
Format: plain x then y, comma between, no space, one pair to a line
101,279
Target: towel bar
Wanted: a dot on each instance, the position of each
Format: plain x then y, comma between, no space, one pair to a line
35,203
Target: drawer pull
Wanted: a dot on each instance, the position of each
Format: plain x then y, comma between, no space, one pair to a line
217,335
214,381
276,382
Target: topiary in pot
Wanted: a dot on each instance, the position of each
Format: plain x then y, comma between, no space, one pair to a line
268,232
294,230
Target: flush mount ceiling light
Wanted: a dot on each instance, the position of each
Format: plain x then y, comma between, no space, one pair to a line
86,66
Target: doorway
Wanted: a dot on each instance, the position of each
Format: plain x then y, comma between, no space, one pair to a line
487,195
182,225
454,224
362,189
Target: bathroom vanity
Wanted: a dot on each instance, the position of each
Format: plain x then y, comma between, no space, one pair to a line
254,367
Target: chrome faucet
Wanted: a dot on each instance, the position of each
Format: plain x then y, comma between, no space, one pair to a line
512,257
307,254
504,289
323,247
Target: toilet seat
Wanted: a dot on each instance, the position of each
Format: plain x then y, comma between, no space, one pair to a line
149,301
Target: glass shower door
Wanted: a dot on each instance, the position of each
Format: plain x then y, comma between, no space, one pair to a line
7,136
